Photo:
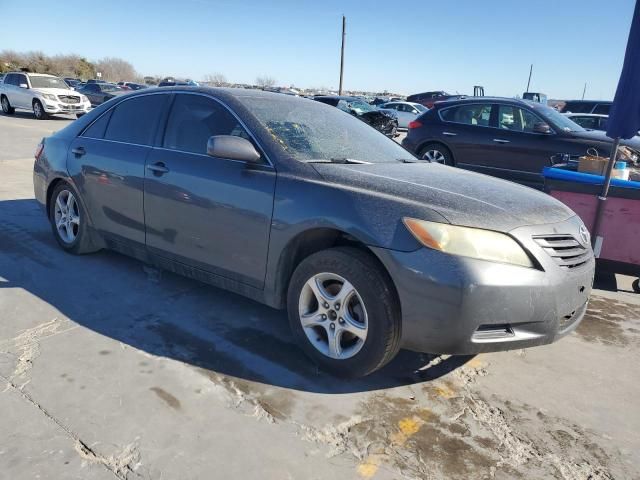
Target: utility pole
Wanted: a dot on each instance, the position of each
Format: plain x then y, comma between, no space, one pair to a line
344,26
584,90
529,82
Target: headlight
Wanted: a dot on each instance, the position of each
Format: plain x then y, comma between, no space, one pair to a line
468,242
49,96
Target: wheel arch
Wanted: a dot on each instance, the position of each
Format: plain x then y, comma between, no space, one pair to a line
311,241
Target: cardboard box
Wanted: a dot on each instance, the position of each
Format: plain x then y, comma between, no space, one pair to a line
593,165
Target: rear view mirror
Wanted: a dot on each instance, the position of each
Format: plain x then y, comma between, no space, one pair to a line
23,85
233,148
541,127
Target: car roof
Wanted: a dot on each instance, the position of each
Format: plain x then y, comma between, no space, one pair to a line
506,100
588,101
338,97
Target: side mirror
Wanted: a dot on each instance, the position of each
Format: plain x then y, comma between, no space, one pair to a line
23,85
541,127
232,147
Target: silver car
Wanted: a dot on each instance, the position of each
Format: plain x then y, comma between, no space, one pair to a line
407,111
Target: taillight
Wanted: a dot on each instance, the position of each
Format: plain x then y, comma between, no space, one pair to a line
429,105
39,150
415,124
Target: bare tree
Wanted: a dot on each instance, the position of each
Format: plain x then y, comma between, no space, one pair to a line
115,69
216,79
265,81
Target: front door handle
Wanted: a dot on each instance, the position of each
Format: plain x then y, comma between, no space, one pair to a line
158,168
449,134
78,151
501,140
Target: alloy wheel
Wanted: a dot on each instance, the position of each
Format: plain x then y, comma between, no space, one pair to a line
37,109
434,156
333,316
5,105
67,216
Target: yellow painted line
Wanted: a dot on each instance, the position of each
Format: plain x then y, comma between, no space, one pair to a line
445,391
407,427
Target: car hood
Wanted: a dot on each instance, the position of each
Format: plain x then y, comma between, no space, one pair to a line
55,91
461,197
599,136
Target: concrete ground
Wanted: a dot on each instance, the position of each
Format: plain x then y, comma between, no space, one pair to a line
110,369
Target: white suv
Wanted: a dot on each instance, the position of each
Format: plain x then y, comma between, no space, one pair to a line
40,93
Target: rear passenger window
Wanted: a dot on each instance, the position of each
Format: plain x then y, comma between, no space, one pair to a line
135,120
473,114
97,129
194,119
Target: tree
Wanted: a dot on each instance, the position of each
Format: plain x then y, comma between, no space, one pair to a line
115,69
216,79
265,81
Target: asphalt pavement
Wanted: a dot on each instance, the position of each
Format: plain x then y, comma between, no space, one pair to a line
112,369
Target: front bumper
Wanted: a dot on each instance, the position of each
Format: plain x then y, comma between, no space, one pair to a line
459,305
51,106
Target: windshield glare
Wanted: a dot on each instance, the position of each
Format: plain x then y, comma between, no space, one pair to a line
47,82
310,130
561,121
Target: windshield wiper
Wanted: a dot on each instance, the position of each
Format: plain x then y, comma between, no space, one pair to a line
338,160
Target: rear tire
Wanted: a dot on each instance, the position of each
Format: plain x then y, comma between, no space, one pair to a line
7,109
72,235
365,329
38,111
437,153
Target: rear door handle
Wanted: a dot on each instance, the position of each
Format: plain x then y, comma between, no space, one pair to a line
158,168
79,151
449,134
501,140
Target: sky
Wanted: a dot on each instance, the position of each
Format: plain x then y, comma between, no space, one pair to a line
403,47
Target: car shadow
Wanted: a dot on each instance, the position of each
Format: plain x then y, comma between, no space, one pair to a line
169,316
29,116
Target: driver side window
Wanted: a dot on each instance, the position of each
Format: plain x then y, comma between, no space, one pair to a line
194,119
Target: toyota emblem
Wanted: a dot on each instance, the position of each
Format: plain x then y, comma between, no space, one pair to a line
584,235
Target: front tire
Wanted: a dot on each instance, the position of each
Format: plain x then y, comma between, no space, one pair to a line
38,111
344,312
436,153
7,109
69,221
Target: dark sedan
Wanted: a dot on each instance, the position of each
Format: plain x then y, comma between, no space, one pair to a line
383,121
504,137
428,99
299,205
98,93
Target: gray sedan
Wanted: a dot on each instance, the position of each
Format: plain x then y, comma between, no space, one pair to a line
406,111
299,205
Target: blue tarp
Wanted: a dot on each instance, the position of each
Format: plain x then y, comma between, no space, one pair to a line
624,117
585,178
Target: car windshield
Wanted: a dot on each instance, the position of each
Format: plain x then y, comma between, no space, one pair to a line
359,106
108,88
38,81
309,130
561,121
421,108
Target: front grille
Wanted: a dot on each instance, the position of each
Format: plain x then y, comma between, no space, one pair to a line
69,99
564,249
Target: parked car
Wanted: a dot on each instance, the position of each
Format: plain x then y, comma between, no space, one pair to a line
73,83
504,137
590,121
295,204
429,98
172,82
96,80
98,93
383,121
405,111
131,86
42,94
586,106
